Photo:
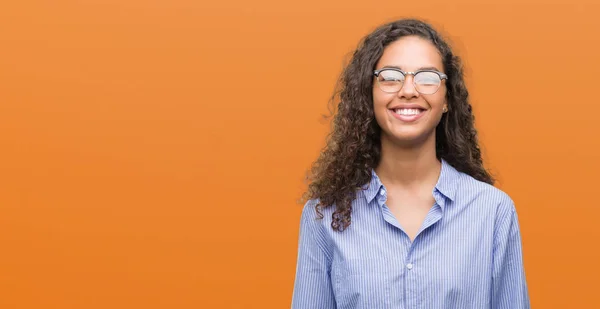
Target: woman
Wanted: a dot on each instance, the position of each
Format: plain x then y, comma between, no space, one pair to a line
400,212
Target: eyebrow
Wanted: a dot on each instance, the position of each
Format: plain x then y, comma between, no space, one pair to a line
419,69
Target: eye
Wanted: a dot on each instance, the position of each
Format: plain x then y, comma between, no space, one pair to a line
427,78
390,76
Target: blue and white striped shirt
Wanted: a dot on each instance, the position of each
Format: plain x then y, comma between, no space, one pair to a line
466,255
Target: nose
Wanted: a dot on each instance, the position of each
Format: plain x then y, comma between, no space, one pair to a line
408,90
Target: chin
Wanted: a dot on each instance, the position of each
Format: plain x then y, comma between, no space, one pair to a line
408,137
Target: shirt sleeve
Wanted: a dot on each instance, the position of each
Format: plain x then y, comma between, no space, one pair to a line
509,286
312,286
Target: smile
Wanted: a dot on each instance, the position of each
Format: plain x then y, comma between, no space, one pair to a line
407,114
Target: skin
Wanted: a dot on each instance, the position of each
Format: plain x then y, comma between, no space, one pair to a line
408,168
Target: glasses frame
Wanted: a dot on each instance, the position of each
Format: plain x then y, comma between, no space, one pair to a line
440,74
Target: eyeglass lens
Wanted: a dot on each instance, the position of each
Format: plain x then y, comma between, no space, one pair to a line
425,82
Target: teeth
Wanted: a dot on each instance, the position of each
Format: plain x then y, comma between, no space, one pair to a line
407,111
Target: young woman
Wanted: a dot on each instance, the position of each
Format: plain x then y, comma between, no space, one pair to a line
400,212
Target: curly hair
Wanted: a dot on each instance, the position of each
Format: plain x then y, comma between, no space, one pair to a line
353,146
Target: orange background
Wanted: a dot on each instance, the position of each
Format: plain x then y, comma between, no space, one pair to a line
152,151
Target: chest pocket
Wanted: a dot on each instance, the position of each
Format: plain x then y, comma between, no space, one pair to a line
362,283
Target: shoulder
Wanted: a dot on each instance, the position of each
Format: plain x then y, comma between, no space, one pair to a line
482,194
316,228
310,217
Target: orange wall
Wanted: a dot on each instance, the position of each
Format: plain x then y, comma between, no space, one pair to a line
152,151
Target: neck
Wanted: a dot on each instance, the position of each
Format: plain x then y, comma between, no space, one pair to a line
408,165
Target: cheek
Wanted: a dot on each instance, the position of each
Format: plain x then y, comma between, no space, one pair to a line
438,100
380,103
442,96
381,100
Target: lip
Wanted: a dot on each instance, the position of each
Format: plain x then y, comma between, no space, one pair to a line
408,118
407,105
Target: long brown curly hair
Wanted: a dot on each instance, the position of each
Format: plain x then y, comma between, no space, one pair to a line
353,146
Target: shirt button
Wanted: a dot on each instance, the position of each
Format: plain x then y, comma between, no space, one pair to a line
409,266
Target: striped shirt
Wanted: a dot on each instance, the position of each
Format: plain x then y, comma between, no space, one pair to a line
467,253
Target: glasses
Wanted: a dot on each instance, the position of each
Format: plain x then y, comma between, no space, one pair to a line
391,80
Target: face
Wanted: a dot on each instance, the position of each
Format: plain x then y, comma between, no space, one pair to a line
407,116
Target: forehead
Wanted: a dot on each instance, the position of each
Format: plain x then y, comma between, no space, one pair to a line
410,53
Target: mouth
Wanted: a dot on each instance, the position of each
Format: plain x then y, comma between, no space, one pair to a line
407,114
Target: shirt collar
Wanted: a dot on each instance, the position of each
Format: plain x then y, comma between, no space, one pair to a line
373,187
446,184
448,180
